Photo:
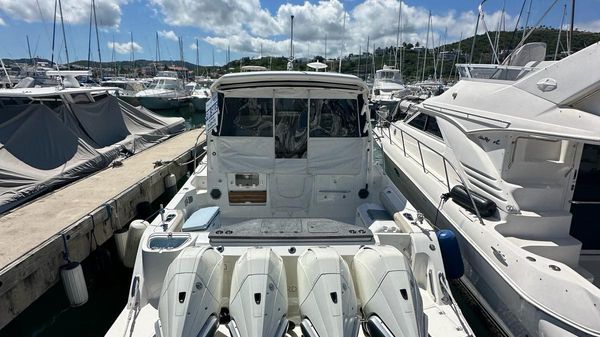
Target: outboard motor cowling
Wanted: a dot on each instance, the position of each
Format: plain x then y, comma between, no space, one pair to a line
326,295
258,299
391,302
190,299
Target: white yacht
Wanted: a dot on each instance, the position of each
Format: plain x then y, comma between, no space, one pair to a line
288,228
508,158
388,87
126,89
199,92
165,92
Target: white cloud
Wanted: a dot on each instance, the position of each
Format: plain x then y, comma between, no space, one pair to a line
169,35
245,25
125,47
108,12
2,23
592,26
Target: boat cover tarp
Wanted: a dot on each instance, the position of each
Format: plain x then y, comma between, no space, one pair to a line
42,149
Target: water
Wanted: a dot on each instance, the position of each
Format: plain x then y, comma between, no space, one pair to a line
193,118
51,315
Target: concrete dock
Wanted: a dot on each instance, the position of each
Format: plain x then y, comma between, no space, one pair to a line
31,236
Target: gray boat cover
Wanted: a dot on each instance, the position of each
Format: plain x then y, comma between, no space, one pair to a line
42,149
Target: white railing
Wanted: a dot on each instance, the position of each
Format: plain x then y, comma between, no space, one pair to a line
445,161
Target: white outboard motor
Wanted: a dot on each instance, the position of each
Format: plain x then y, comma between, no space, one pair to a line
190,299
391,303
258,300
326,295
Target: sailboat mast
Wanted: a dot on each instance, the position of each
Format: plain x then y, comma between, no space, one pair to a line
562,20
132,53
197,58
89,56
62,23
112,56
475,35
29,50
443,55
325,48
343,40
398,34
97,37
367,60
527,18
426,47
571,28
359,59
53,33
292,38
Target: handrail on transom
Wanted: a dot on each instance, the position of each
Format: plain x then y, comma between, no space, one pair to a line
422,162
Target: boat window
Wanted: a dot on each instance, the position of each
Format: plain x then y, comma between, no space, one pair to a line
419,121
432,127
247,117
334,118
291,118
426,123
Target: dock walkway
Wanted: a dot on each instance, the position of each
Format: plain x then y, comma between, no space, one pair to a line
31,243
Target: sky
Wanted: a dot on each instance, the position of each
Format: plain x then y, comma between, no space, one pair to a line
246,26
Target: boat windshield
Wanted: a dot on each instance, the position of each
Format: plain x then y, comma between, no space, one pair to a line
388,75
253,117
166,84
114,84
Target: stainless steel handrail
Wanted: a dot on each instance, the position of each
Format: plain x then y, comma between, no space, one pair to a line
582,202
445,160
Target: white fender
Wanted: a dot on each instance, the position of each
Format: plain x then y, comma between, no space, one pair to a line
258,298
190,300
326,295
391,302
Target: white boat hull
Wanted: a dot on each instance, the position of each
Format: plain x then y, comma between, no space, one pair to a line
516,316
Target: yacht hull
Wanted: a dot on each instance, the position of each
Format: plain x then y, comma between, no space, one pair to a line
160,103
514,315
199,103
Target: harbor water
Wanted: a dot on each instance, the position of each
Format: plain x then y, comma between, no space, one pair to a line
108,283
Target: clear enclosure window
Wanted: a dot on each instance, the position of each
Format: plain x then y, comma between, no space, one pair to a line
247,117
334,118
291,136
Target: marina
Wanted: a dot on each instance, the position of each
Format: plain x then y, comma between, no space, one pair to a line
102,203
319,169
